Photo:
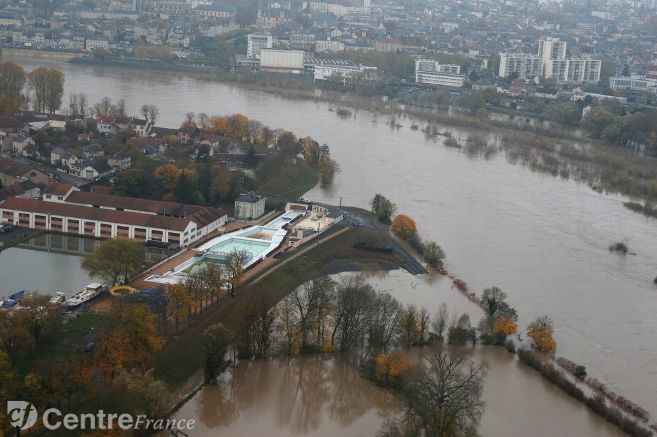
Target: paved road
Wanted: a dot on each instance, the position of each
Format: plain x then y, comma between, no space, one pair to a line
350,217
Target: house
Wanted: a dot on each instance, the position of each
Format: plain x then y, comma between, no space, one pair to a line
110,125
20,143
92,151
61,156
12,172
58,191
249,206
141,127
119,162
90,169
188,134
24,189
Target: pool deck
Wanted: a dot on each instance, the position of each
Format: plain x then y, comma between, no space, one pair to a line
158,274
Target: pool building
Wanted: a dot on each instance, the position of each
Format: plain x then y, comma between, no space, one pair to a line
257,241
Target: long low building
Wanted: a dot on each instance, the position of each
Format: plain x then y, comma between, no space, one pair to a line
67,210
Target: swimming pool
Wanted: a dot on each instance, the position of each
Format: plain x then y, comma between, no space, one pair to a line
258,241
226,247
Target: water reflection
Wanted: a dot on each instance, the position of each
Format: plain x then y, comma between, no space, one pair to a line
304,396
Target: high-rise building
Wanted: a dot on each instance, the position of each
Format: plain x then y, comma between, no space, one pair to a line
258,41
527,66
550,62
551,48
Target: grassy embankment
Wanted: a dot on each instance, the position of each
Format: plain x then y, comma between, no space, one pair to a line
183,357
290,182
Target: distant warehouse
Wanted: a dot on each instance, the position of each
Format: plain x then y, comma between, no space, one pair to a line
67,210
283,61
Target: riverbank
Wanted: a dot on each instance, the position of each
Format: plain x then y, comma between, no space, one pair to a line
49,55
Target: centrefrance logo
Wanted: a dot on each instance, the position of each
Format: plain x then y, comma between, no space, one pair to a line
23,415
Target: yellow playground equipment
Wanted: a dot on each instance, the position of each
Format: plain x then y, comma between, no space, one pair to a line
122,290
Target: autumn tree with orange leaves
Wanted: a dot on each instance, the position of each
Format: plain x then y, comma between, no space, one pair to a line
404,226
389,367
541,331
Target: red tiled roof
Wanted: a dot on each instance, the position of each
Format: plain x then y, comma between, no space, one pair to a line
173,209
97,214
57,188
13,168
11,191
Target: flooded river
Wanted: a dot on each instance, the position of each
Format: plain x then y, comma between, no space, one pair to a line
542,239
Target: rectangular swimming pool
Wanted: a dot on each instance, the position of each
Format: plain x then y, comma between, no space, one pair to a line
239,244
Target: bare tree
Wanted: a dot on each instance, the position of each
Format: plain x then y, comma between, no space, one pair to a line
153,113
144,111
189,118
351,312
82,102
105,105
310,302
447,394
73,103
386,314
440,323
121,108
203,120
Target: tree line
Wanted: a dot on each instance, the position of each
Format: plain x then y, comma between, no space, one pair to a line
405,228
206,182
41,89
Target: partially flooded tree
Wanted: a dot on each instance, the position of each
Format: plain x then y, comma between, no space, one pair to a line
440,322
541,331
447,393
352,312
216,340
386,316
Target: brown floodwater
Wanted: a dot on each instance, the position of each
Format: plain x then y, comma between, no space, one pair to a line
316,396
542,239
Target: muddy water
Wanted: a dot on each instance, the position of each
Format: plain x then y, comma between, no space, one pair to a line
326,397
542,239
308,396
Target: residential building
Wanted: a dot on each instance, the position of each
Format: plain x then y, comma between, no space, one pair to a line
431,72
249,206
12,172
258,41
635,83
550,63
345,73
527,66
329,46
216,10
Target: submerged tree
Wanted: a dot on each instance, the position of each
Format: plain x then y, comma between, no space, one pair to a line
447,394
216,340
